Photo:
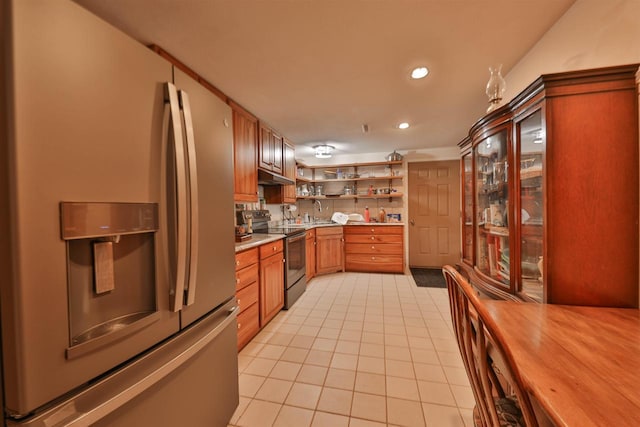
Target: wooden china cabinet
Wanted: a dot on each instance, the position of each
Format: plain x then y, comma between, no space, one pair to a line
550,192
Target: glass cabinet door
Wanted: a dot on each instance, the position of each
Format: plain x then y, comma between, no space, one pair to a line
492,193
467,212
530,153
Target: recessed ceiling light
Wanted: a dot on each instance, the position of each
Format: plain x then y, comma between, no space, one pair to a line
419,73
403,125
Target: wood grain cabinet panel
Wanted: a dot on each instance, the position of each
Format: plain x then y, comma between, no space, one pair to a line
310,254
248,325
271,285
247,294
245,161
329,250
377,249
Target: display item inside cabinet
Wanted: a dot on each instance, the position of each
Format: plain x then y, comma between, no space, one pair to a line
492,201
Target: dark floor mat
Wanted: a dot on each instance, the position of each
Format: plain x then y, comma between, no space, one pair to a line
428,277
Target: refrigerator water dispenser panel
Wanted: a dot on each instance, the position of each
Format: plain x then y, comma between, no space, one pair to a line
111,265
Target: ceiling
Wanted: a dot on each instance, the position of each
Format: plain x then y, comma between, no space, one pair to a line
317,70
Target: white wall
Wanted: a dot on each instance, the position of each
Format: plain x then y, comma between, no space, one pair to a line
591,34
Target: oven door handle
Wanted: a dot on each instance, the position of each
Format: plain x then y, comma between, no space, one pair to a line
296,238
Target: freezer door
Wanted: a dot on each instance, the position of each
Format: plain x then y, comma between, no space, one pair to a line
190,380
86,110
215,251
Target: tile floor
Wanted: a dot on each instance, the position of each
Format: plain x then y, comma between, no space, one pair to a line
357,350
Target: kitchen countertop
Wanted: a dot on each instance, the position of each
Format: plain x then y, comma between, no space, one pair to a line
258,239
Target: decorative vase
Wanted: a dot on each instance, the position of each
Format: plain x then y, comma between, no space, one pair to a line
495,87
540,263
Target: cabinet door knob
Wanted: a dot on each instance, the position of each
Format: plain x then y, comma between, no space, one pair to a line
373,238
372,230
239,325
283,260
373,247
237,262
238,280
238,302
373,258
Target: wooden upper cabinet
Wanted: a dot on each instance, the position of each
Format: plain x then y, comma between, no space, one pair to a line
270,149
245,139
289,156
277,148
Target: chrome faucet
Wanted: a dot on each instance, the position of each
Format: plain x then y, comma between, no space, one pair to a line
319,205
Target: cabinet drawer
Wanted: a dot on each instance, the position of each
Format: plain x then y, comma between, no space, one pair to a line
246,258
269,249
373,238
247,296
375,263
373,248
247,276
248,325
372,229
329,231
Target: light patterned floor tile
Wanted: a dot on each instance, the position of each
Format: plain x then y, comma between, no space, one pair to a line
312,374
442,416
372,346
369,407
340,378
402,388
370,383
404,412
304,395
291,416
274,390
259,414
325,419
335,401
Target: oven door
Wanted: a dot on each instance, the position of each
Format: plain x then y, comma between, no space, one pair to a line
295,258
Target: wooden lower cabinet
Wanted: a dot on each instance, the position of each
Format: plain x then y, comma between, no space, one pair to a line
329,250
310,254
248,325
271,280
247,290
378,249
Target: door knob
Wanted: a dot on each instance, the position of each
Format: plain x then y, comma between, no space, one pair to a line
412,222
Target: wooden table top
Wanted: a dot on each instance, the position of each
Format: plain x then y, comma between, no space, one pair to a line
582,364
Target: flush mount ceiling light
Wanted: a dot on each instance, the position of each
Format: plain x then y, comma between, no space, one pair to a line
419,73
323,151
403,125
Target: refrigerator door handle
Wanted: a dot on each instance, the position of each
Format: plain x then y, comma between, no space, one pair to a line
181,197
193,193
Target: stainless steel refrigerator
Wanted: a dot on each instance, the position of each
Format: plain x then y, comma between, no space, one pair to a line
116,230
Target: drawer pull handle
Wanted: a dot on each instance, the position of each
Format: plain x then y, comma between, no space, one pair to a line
372,230
237,262
238,280
238,301
373,247
275,248
373,238
239,325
